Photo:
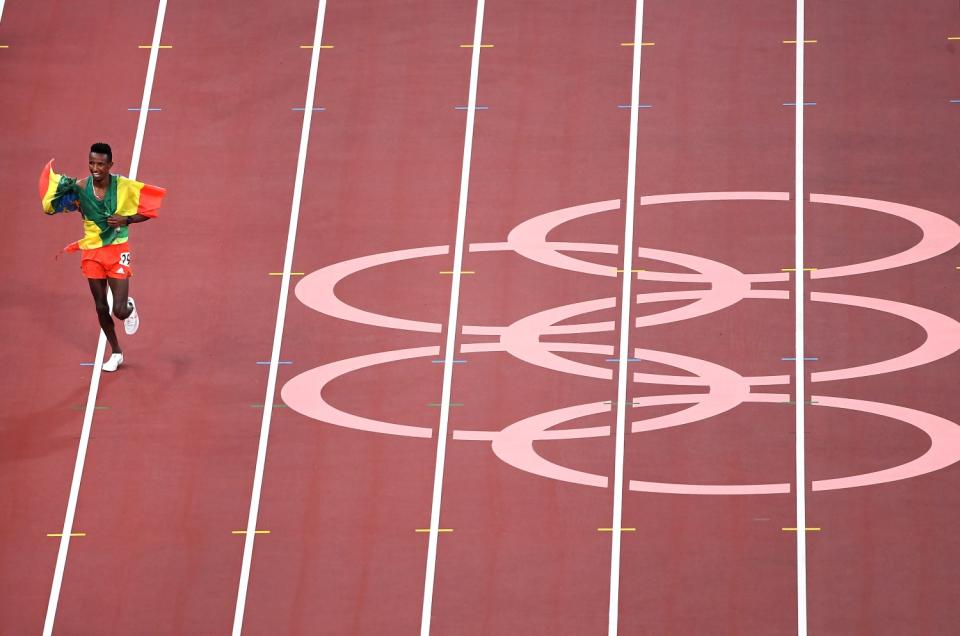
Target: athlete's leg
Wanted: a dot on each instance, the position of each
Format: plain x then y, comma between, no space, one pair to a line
98,287
120,288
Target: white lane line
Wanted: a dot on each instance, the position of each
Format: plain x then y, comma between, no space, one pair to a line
625,326
278,329
451,327
799,364
2,2
101,347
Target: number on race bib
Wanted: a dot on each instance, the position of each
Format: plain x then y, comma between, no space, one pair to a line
125,258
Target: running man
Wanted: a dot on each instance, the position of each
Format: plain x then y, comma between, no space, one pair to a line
108,204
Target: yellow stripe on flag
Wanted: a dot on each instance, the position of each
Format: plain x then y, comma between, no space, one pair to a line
49,180
128,196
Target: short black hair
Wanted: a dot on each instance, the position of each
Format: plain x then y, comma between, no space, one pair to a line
102,149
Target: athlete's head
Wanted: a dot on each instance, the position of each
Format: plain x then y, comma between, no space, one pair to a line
100,160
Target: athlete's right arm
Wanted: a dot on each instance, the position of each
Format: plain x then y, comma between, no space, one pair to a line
73,185
61,198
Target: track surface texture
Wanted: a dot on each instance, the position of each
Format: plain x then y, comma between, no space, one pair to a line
295,380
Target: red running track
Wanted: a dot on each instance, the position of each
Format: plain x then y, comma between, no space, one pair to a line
171,459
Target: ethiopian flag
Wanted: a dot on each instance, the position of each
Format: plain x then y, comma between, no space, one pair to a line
56,192
124,197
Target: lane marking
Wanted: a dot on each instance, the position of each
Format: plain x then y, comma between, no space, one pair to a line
80,407
634,43
806,529
451,362
278,362
471,108
450,346
317,109
638,106
159,46
799,347
621,529
632,271
281,274
4,46
310,46
72,534
1,8
438,530
624,360
463,272
795,103
952,37
101,348
275,406
804,41
246,531
955,101
470,46
148,109
798,269
791,358
441,404
626,302
278,328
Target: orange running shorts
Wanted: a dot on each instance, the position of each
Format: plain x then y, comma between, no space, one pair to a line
110,261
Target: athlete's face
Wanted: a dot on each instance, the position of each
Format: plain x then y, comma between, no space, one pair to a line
99,166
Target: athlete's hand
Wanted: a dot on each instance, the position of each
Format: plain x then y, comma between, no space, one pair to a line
115,220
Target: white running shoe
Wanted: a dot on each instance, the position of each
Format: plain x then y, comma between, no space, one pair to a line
111,365
132,322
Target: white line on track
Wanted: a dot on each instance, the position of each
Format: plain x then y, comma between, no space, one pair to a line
278,329
450,351
101,347
799,353
625,327
2,2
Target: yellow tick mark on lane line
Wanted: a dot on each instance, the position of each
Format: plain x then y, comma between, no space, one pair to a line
634,43
245,532
482,46
310,46
281,274
462,272
160,46
438,530
794,41
794,529
621,529
793,269
632,271
72,534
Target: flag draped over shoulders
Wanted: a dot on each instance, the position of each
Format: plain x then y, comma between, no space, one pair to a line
123,197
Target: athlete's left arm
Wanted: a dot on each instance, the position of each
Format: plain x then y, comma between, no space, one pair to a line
116,220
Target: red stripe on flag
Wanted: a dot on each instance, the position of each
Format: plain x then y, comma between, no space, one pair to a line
45,178
150,199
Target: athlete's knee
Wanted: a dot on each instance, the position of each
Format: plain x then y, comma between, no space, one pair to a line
103,309
121,311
